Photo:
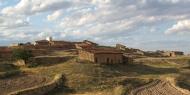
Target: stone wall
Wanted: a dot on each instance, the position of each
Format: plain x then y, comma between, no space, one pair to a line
6,53
109,58
48,60
40,52
41,89
84,55
127,59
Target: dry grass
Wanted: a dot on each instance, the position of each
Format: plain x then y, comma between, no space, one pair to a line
7,70
182,64
20,82
96,79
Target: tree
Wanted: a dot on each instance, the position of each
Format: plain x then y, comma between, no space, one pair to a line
24,54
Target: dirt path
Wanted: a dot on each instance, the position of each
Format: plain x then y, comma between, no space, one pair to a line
158,87
21,82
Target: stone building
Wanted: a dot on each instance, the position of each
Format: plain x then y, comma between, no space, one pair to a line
120,47
52,44
42,43
178,53
101,56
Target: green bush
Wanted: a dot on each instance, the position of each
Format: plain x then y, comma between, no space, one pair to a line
23,54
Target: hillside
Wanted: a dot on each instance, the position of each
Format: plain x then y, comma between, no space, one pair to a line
85,78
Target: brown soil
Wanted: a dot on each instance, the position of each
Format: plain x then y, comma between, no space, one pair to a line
21,82
157,87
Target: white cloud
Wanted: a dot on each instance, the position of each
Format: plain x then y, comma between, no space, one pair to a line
100,20
32,7
181,26
9,22
55,15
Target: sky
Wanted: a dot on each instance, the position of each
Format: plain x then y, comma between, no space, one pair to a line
143,24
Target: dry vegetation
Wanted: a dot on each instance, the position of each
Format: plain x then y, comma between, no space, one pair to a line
157,87
181,64
7,70
20,82
84,78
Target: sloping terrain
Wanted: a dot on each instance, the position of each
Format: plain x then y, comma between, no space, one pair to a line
158,87
85,78
20,82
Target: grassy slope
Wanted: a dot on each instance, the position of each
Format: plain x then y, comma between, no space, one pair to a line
92,79
7,70
86,77
89,77
182,64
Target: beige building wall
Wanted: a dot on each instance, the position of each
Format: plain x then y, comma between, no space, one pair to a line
109,58
169,54
84,55
121,47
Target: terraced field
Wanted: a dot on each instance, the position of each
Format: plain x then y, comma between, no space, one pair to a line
21,82
158,87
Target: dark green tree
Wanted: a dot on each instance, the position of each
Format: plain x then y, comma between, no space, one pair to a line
24,54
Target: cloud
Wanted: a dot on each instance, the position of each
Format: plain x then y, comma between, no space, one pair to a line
175,45
32,7
182,26
9,22
55,15
106,21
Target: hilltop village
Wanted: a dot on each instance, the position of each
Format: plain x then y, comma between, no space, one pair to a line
87,50
58,67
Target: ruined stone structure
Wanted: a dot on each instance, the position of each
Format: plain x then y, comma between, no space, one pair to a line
101,56
90,43
86,45
170,53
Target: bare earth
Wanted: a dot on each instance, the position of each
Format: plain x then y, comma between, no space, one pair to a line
158,87
20,82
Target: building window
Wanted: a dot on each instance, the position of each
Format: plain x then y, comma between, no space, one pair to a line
108,60
111,60
170,54
96,60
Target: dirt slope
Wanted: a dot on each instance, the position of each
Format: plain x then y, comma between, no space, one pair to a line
158,87
20,82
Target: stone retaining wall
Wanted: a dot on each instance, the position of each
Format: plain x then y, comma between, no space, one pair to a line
48,60
42,89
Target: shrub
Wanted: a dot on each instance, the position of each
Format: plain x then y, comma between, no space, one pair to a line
120,90
23,54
